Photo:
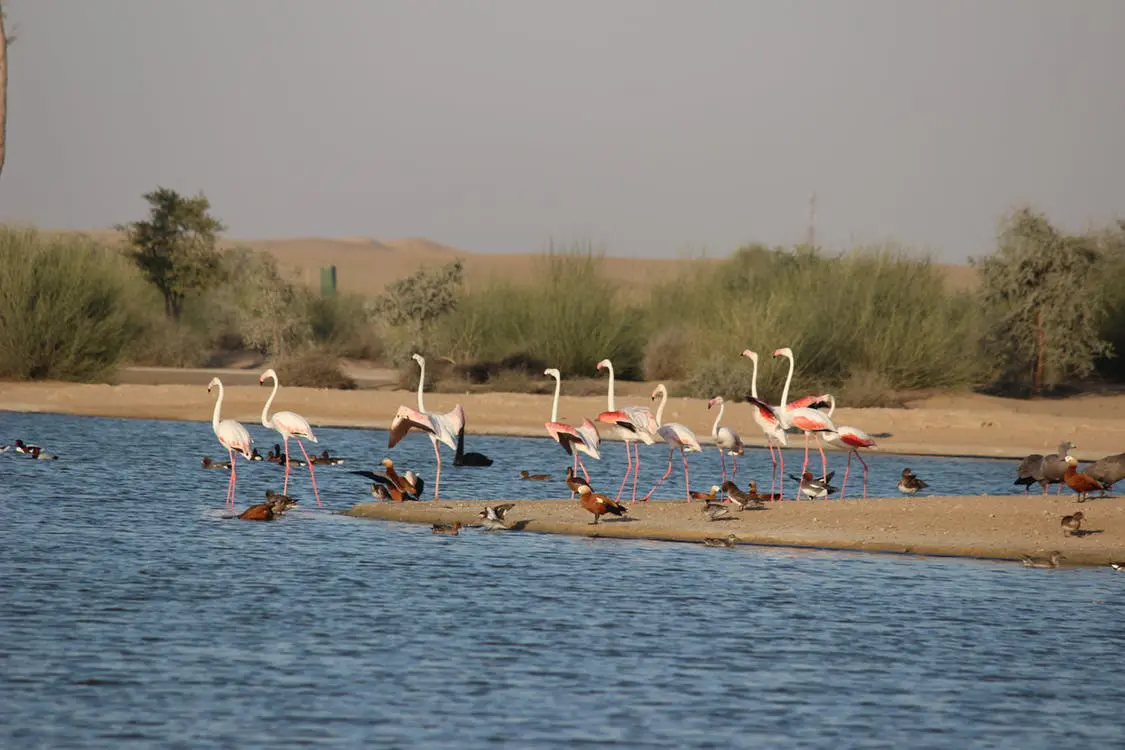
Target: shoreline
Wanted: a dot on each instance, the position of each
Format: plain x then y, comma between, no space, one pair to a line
984,527
952,425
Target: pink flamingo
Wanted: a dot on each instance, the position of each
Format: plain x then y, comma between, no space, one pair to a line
676,436
851,438
574,440
808,419
288,424
439,427
726,439
771,427
232,436
634,424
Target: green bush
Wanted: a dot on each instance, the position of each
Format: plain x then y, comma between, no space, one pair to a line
70,309
313,367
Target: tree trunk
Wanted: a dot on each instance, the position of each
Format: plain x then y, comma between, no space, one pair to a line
3,90
1040,354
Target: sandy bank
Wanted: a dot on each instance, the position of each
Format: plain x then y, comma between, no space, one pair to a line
967,425
985,526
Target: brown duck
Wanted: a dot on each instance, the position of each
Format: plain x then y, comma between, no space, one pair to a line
209,463
525,474
574,482
598,504
1072,524
273,508
1083,484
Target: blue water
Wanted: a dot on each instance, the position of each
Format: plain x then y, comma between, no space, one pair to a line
133,614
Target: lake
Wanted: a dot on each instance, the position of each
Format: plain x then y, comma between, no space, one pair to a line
133,613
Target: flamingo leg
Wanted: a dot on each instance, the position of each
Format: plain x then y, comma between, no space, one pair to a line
666,475
636,471
723,461
582,465
734,459
628,468
233,476
804,467
864,474
312,474
781,474
823,459
773,460
687,482
844,486
285,487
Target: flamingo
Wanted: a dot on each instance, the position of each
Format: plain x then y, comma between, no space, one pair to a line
725,438
851,438
770,426
232,436
676,436
439,427
634,423
807,419
288,424
574,440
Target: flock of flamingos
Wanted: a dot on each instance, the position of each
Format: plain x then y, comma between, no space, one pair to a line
810,414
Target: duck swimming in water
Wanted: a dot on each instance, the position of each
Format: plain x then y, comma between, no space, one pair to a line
273,508
1037,562
446,528
326,460
209,463
909,483
39,454
728,541
22,447
525,474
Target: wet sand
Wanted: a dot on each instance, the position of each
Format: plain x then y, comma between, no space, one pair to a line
991,527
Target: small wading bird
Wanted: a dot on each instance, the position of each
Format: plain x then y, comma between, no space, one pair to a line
446,528
289,425
232,436
437,427
909,483
675,435
728,541
769,424
1072,524
574,440
274,507
1044,470
525,474
493,516
1083,484
726,439
635,424
599,504
1038,562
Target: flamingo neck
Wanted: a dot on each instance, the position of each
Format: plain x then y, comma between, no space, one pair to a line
218,408
718,417
421,382
754,379
660,409
788,379
610,394
266,421
832,407
555,405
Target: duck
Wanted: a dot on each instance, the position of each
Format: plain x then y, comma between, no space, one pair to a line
273,508
697,495
815,488
716,512
909,484
325,460
451,529
752,491
1117,566
380,492
22,447
255,455
493,515
1083,484
740,499
208,463
1054,466
573,481
275,456
399,486
461,458
598,504
1072,524
1038,562
728,541
5,448
525,474
1109,470
39,454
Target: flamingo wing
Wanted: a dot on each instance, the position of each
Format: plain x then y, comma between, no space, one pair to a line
591,440
685,437
855,437
810,420
407,419
619,418
233,435
294,424
449,425
564,435
810,402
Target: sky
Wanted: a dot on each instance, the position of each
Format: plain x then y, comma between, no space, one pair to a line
649,128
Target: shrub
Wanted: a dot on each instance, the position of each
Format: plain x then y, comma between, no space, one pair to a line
313,367
69,308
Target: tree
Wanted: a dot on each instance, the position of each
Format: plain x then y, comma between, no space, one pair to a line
421,298
1043,303
270,309
3,89
176,247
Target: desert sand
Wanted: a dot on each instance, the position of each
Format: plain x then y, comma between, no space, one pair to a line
982,527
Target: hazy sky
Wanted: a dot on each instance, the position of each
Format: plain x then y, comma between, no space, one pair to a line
646,126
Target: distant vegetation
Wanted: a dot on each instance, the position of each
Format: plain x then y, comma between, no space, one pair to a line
870,325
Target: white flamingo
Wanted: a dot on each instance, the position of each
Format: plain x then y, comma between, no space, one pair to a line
232,436
676,436
438,427
634,424
726,439
288,424
574,440
770,426
804,418
851,439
